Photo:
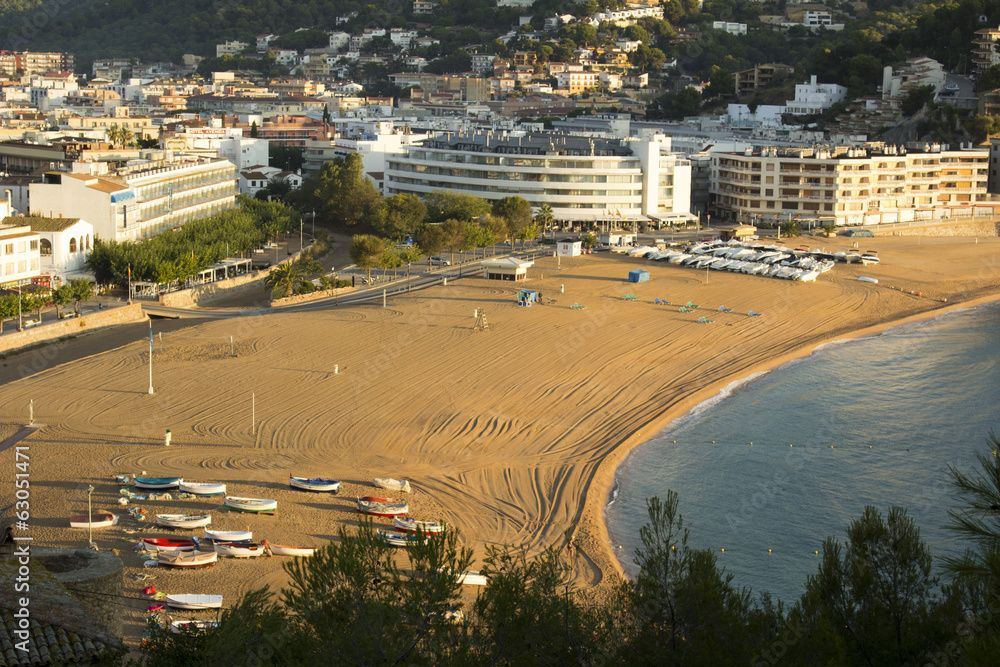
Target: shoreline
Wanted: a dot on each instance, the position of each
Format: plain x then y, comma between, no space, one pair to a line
604,481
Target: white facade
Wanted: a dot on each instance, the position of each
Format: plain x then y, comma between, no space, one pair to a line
402,38
730,27
581,178
19,253
233,48
339,40
815,98
139,201
569,248
64,244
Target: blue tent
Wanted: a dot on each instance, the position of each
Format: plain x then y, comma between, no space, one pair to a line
638,276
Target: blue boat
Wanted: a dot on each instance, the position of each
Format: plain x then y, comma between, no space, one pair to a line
157,482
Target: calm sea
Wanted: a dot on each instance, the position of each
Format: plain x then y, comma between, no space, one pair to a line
874,421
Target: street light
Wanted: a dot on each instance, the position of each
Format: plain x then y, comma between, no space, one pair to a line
19,326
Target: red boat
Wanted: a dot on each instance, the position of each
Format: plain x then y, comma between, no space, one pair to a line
381,507
167,544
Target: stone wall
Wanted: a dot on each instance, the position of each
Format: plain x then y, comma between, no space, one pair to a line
194,296
69,327
92,577
986,227
311,296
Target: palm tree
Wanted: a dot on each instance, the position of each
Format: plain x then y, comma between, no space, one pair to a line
286,280
544,217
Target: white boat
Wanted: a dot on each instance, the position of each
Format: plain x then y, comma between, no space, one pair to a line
168,544
251,505
96,520
284,550
472,578
229,535
392,484
319,485
180,627
183,520
186,559
202,488
156,482
239,549
866,279
411,525
193,601
401,539
869,257
808,276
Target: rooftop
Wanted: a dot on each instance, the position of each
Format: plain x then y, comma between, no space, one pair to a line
537,143
41,224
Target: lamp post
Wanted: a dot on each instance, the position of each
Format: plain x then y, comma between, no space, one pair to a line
90,518
301,220
19,325
151,357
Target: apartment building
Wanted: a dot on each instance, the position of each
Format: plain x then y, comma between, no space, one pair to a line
984,55
141,200
577,82
872,184
13,63
19,254
233,48
581,178
814,97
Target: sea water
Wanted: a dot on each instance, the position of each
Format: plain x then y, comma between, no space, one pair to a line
874,421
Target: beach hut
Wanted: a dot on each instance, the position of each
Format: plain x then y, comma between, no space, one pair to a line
569,248
617,238
638,276
739,233
506,268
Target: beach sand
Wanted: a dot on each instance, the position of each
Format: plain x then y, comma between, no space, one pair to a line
512,435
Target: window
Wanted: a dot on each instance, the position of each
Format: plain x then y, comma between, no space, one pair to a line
46,248
8,249
72,244
34,245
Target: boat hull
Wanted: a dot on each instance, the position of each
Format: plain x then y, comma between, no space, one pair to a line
169,545
382,509
229,535
202,488
282,550
314,485
193,601
157,482
187,560
101,520
251,505
408,525
180,627
239,550
183,521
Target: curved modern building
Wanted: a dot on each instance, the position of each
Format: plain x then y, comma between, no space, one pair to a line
585,179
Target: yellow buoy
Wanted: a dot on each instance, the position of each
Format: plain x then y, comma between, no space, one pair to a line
791,445
713,442
723,550
675,442
815,552
869,446
768,551
831,446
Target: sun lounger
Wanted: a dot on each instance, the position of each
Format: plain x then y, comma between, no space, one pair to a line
692,306
723,309
577,306
684,309
705,320
753,314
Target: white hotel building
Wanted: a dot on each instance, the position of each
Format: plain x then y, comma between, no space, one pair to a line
867,185
141,200
581,178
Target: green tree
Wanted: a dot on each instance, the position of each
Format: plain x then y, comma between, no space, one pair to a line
62,296
287,279
397,217
589,241
455,234
8,308
874,600
366,251
989,80
976,521
254,133
445,204
430,237
81,289
516,211
544,218
916,98
343,194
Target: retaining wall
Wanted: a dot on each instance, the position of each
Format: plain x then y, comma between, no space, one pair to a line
311,296
68,327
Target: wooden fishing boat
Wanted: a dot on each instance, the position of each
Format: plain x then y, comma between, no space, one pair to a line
314,484
472,578
228,535
251,505
239,549
401,540
202,488
284,550
168,544
183,520
411,525
157,482
180,627
95,520
193,601
379,508
187,559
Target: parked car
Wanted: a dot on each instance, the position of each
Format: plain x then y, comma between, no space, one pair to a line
952,86
439,261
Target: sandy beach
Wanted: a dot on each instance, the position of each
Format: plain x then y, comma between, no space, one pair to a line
512,435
